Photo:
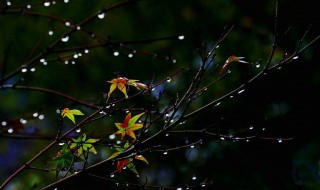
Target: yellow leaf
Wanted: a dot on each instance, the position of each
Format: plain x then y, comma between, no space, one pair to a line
70,113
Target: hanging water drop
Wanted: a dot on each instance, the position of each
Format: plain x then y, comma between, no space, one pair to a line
167,115
78,130
24,70
203,185
23,121
263,129
75,56
66,62
73,62
165,153
112,136
53,2
9,3
167,135
118,142
257,65
231,96
78,27
217,104
67,23
251,127
33,69
65,39
50,32
46,4
35,114
112,175
296,57
45,63
174,61
181,37
222,138
194,177
130,55
179,188
217,46
66,1
116,53
168,79
61,144
28,6
4,123
101,15
41,117
10,130
279,140
192,146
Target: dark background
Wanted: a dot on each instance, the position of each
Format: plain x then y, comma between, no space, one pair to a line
284,103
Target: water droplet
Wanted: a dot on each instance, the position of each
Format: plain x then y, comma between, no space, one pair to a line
194,178
24,70
4,123
33,69
192,146
50,32
118,142
203,185
67,23
10,130
65,39
8,3
53,2
139,121
257,65
113,105
117,184
46,4
112,136
130,55
112,175
222,138
296,57
138,175
165,153
75,56
78,130
279,67
279,140
116,53
247,140
228,71
41,117
66,1
61,144
217,46
101,15
73,62
167,115
231,96
251,127
167,135
86,51
28,6
174,60
179,188
217,104
181,37
35,114
23,121
66,62
168,79
241,91
263,129
172,120
45,63
42,60
58,111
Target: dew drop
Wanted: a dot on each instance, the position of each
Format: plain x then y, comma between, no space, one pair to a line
50,32
222,138
23,121
35,114
53,2
33,69
112,175
46,4
167,135
203,185
257,65
296,57
66,1
263,129
228,71
217,46
247,140
75,56
118,142
9,3
179,188
101,15
192,146
10,130
251,127
231,96
78,130
217,104
167,115
65,39
194,178
61,144
116,53
279,140
41,117
278,68
172,120
28,6
42,60
168,79
67,23
112,136
66,62
4,123
24,70
73,62
130,55
181,37
165,153
45,63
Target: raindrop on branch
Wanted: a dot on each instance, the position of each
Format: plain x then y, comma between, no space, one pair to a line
28,6
165,153
4,123
112,175
240,91
35,114
41,117
130,55
45,63
86,51
67,23
101,15
61,144
10,130
33,69
66,1
116,53
181,37
24,70
251,127
112,136
66,62
194,178
46,4
296,57
78,130
168,79
257,65
9,3
78,27
279,140
65,39
50,32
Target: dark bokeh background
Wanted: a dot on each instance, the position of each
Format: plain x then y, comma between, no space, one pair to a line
285,102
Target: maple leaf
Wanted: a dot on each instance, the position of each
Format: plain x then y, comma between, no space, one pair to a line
63,159
122,82
231,59
128,126
70,113
81,144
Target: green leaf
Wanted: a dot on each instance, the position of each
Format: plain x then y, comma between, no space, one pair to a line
134,119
